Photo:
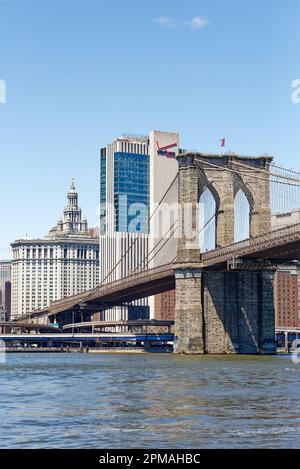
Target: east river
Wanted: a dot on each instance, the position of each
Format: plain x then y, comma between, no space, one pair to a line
148,401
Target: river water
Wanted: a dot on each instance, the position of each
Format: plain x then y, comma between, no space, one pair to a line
148,401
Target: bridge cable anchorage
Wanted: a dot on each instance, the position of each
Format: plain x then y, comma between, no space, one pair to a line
133,242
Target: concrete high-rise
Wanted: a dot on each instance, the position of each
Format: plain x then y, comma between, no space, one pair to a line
135,173
63,263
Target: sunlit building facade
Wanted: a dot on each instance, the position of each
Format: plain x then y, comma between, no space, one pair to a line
135,173
287,281
64,263
5,277
286,298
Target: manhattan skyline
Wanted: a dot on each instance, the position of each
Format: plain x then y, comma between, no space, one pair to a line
79,73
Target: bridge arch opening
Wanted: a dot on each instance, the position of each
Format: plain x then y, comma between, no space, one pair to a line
242,216
207,221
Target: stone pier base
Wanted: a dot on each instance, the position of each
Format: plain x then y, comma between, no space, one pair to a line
224,312
189,337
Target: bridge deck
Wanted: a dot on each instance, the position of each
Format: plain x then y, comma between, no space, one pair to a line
111,336
113,324
281,244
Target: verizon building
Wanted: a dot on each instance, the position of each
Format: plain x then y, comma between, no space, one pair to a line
135,173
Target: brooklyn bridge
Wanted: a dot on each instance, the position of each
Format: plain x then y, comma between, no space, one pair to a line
224,291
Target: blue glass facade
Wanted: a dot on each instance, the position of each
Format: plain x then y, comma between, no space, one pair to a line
138,312
131,192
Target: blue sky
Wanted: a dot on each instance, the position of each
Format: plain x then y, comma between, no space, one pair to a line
79,73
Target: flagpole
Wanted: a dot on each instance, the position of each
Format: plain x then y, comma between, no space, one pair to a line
222,144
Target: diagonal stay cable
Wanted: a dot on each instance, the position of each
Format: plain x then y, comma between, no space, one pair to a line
132,243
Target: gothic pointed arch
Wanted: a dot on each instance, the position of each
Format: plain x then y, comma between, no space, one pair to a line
242,216
240,185
204,183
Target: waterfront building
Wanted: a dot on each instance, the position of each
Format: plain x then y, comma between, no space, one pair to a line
7,300
5,276
61,264
165,306
135,173
287,281
286,296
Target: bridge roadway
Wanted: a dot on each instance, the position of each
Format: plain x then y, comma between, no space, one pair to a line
87,337
27,326
143,324
285,334
276,246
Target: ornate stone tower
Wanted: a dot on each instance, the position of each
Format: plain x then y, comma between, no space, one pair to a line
72,213
222,312
73,223
63,263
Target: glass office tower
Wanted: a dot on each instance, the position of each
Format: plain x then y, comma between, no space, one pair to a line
134,173
124,207
131,192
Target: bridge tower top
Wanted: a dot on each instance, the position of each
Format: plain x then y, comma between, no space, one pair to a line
224,175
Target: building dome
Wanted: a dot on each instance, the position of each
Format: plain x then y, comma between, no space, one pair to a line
73,223
72,189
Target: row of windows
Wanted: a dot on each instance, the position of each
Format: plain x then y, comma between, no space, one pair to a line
102,178
131,178
50,253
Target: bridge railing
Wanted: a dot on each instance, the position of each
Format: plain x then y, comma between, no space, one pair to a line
265,240
85,296
218,255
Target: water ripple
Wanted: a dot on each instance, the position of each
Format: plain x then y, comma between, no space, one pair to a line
149,401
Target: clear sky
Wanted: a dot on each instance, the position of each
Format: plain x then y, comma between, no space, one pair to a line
79,72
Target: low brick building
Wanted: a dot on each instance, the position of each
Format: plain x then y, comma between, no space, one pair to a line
165,306
286,298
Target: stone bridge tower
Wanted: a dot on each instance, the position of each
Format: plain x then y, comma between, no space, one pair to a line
222,311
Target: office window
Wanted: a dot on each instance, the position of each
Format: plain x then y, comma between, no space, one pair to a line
131,186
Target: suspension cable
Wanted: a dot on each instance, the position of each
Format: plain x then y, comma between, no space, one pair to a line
156,245
264,171
133,242
285,169
245,174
